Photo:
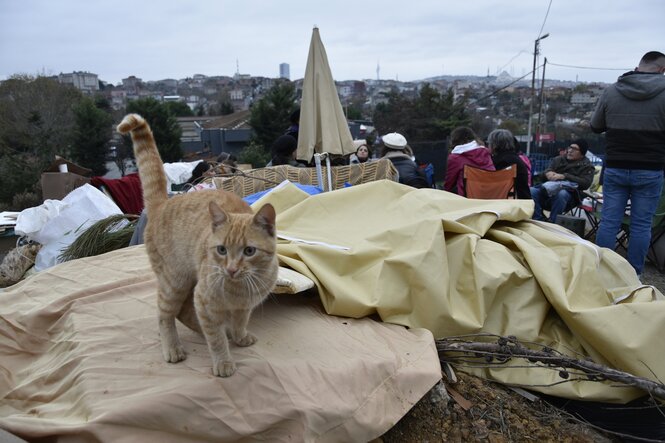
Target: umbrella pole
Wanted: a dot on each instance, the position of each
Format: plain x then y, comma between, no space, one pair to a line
319,173
329,172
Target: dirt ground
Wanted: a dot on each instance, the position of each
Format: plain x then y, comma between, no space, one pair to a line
475,410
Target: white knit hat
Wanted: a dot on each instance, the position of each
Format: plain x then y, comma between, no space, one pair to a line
394,140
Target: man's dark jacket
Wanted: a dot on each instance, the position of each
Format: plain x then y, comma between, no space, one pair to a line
579,171
632,113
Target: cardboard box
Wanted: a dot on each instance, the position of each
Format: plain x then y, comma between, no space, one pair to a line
56,185
70,167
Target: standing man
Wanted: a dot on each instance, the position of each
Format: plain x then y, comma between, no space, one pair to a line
632,113
566,176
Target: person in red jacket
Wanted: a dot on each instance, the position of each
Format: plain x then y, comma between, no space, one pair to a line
467,150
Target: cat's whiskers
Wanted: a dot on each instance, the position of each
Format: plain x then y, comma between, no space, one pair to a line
218,275
260,285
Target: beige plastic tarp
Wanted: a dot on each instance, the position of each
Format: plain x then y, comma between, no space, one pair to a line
80,359
431,259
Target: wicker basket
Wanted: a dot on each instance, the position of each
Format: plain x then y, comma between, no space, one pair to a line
257,180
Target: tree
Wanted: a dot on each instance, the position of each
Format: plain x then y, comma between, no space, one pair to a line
354,111
179,109
91,134
224,106
513,126
428,117
36,116
36,122
269,117
164,127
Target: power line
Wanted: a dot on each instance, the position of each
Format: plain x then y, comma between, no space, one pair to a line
509,61
506,86
546,14
588,67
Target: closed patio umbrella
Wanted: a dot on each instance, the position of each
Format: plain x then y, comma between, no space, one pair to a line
323,126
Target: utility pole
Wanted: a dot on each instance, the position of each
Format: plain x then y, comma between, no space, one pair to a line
533,90
539,130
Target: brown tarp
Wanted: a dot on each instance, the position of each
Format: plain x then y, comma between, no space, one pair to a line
80,359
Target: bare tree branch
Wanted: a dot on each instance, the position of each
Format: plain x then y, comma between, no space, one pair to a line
507,348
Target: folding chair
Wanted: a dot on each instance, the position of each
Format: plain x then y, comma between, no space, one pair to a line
589,211
482,184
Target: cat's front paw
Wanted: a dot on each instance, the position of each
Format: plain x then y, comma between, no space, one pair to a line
173,354
247,340
224,368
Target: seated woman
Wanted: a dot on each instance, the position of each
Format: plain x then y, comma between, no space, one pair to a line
361,155
467,150
394,147
504,154
284,152
524,158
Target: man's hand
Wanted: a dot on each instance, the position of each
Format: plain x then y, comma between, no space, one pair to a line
553,176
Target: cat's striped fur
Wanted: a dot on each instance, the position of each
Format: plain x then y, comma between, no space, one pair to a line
214,259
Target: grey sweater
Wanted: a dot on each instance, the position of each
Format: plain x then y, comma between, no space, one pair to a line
632,113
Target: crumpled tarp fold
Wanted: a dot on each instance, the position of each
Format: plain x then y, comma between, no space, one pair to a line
424,258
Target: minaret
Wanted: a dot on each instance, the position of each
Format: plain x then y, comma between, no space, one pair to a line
378,68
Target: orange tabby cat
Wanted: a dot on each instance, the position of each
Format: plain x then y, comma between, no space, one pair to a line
214,259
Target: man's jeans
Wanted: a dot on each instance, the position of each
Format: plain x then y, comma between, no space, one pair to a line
557,204
643,188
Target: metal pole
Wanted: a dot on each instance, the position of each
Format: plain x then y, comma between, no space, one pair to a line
533,93
533,90
539,130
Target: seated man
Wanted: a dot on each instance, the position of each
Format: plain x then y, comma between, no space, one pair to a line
566,177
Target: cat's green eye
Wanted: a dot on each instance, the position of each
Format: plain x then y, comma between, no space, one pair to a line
249,251
221,250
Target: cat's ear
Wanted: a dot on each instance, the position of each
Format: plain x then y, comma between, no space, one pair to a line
218,215
265,218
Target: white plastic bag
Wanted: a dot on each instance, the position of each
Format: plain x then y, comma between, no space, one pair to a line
30,221
178,173
62,223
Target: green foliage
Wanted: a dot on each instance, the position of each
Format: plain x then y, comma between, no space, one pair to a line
106,235
164,127
91,134
19,173
36,123
354,113
428,117
226,108
254,155
270,116
36,116
513,126
179,109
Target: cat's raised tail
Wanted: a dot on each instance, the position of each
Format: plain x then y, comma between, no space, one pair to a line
148,161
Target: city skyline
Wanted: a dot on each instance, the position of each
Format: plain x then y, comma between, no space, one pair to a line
155,40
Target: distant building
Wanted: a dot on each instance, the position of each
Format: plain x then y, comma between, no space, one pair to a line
284,71
131,84
118,99
583,99
83,81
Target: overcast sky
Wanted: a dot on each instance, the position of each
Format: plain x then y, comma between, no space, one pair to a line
409,40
